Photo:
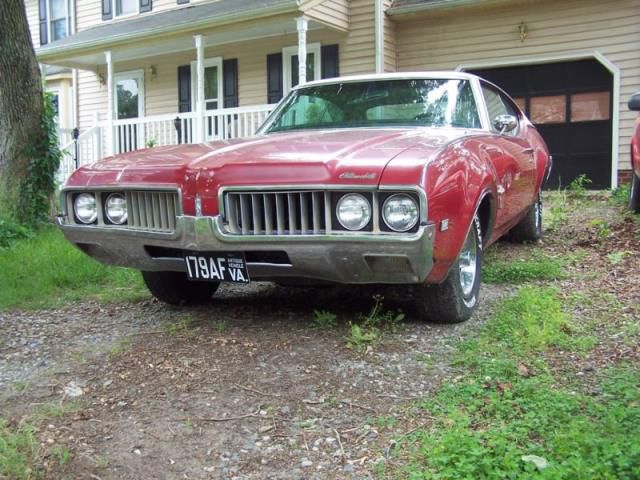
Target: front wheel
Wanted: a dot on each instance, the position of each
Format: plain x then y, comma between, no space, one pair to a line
634,197
175,288
455,299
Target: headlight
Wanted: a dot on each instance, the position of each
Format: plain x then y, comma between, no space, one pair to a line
85,208
400,212
353,211
116,209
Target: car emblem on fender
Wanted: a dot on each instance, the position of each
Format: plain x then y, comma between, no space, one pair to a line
356,176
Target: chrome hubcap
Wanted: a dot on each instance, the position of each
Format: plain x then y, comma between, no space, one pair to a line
468,263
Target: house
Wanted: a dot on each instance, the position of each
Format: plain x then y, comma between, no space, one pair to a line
192,70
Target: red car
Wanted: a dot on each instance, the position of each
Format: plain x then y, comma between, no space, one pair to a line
379,179
634,197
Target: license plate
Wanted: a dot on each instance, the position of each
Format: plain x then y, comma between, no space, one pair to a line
217,267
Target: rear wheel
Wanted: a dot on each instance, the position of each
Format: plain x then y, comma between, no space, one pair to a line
175,289
634,197
455,299
530,227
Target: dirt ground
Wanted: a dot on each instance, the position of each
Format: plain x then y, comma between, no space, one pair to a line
245,387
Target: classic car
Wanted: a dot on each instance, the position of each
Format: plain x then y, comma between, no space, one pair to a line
634,196
379,179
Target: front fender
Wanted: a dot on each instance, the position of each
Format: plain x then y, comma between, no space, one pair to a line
456,183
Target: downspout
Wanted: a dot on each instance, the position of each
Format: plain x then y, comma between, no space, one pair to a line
379,27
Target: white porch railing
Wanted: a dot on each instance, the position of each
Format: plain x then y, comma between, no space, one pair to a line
87,149
158,130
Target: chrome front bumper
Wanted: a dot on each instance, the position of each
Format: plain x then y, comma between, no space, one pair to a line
343,258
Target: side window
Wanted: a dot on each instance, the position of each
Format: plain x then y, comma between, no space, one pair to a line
310,111
497,105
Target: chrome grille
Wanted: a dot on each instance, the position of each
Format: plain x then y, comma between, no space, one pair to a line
152,210
278,213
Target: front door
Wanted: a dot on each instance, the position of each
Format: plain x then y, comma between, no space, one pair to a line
128,107
212,93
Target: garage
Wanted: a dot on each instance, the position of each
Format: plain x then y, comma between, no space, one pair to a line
571,105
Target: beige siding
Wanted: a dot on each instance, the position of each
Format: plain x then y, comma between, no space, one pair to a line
31,7
483,35
92,99
359,53
333,13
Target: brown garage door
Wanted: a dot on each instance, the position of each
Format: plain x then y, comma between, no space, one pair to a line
570,103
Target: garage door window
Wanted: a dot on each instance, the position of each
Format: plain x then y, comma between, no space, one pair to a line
549,109
589,107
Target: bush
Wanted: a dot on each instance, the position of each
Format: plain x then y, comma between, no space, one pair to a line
10,232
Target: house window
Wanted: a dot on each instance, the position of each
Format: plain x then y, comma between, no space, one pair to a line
59,10
290,65
126,7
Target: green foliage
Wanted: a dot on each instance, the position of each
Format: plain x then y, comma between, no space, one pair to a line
373,325
18,448
38,186
61,453
578,185
521,270
11,232
602,228
152,142
324,319
621,194
507,406
46,271
556,209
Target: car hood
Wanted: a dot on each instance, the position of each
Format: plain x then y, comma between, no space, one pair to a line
318,157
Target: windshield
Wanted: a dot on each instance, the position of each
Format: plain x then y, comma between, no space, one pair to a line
416,102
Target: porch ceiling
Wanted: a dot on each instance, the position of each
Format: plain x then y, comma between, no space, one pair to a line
171,31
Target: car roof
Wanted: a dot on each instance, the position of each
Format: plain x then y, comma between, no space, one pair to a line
453,75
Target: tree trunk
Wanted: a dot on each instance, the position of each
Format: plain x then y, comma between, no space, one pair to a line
20,102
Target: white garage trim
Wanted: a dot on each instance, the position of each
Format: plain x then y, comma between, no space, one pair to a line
608,64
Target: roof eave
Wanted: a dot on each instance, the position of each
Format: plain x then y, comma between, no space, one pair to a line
430,6
52,52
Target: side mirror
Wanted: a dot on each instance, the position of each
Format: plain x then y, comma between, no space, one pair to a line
505,123
634,102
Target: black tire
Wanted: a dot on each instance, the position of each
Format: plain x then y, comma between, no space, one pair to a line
448,302
634,196
530,227
175,289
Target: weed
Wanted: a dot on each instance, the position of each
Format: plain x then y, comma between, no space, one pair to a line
324,319
602,228
621,194
181,326
122,346
221,326
360,337
18,449
557,209
616,257
152,142
188,426
371,326
62,453
386,422
517,271
20,386
578,186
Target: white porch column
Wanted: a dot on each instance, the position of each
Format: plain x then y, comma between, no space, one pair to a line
200,106
379,27
303,25
110,134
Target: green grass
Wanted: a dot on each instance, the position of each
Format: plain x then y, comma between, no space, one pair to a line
47,271
18,449
520,270
508,405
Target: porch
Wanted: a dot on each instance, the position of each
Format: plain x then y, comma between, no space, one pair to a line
213,83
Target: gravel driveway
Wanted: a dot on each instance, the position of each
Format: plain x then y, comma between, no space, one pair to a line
244,387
